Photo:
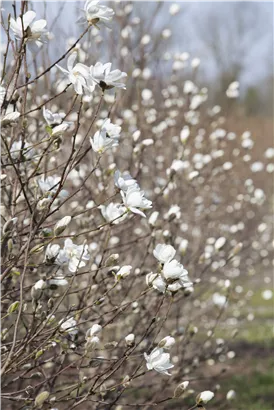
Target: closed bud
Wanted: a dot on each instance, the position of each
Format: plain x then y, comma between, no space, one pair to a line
126,381
204,397
130,339
110,345
112,259
61,225
180,389
7,227
37,249
93,330
13,307
37,289
167,342
236,249
41,398
153,218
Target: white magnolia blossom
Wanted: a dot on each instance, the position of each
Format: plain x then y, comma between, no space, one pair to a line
77,75
94,330
124,271
51,118
95,13
105,78
52,252
164,253
73,256
49,184
233,90
156,281
69,326
34,31
113,212
175,270
123,181
107,137
158,360
58,281
204,397
134,200
10,118
167,342
19,148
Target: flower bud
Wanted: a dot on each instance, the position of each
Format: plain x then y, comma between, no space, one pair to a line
61,225
236,249
9,225
153,218
180,389
41,398
230,395
37,289
204,397
112,259
167,342
130,339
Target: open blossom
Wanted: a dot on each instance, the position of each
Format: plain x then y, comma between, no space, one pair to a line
51,118
34,31
158,360
134,200
96,13
77,75
124,271
69,326
18,148
73,256
123,181
164,253
52,252
107,137
50,185
105,78
156,281
113,212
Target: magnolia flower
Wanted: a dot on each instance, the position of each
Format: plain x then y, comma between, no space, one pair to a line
113,212
95,13
73,255
49,184
93,330
107,137
158,360
123,182
164,253
77,75
33,31
204,397
18,148
102,75
57,281
174,270
134,199
52,252
69,326
51,118
167,342
92,343
124,271
156,281
233,90
10,118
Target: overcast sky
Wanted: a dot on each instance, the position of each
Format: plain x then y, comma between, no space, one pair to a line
191,27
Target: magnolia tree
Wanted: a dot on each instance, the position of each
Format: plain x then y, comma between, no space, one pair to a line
130,215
